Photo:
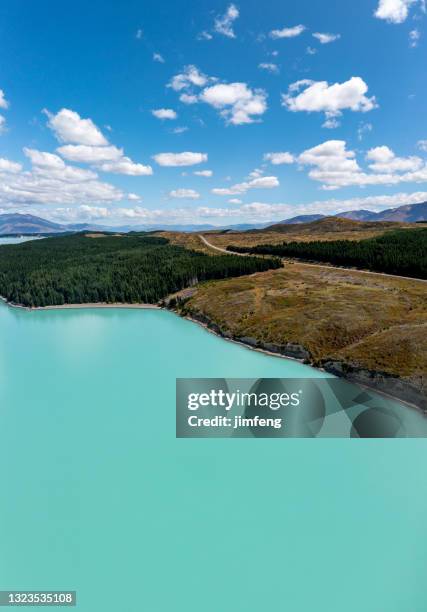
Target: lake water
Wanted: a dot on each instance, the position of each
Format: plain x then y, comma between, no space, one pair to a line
17,239
97,495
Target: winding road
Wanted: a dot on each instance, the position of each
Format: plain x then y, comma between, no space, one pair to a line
324,266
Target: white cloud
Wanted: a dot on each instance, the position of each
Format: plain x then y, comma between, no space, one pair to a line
9,166
363,129
331,123
414,37
190,76
164,113
384,160
134,197
91,146
3,102
68,126
180,130
279,158
288,32
51,182
2,124
237,103
254,211
311,51
319,96
204,35
205,173
187,158
234,201
188,98
394,11
264,182
224,24
90,155
157,57
124,165
325,38
333,165
185,194
422,145
139,34
269,67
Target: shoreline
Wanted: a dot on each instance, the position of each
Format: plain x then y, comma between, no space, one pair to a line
264,351
136,306
206,326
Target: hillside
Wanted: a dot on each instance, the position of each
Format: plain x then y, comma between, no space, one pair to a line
330,224
408,213
17,223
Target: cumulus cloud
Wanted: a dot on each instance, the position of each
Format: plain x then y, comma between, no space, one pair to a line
333,165
224,24
188,98
187,158
68,126
164,113
157,57
237,103
204,173
184,194
90,155
325,38
191,75
6,165
384,160
422,145
263,182
395,11
287,32
51,182
90,146
269,67
234,201
319,96
124,165
279,158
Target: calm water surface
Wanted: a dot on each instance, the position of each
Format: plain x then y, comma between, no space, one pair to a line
97,495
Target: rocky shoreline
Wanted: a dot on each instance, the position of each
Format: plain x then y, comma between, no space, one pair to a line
382,382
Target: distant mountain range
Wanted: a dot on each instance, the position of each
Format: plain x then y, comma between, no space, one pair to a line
17,223
409,213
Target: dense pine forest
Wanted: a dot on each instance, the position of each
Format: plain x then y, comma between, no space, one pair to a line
129,269
402,252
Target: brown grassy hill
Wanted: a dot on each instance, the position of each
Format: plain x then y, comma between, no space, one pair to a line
332,224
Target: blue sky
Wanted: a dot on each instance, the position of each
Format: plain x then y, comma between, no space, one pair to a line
211,112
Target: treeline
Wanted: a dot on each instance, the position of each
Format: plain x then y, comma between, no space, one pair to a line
401,252
77,269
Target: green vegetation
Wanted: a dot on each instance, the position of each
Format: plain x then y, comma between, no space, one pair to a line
128,269
402,252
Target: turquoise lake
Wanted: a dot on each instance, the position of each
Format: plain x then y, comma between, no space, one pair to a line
98,496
